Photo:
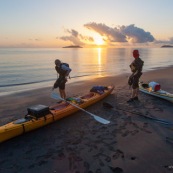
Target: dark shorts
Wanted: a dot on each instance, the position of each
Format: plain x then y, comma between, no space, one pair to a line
135,80
60,82
62,86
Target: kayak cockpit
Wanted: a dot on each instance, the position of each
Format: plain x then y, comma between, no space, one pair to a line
145,86
88,96
59,106
21,120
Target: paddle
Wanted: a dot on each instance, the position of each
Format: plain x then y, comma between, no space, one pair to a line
97,118
108,105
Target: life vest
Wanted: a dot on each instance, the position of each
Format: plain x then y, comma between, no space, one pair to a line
136,65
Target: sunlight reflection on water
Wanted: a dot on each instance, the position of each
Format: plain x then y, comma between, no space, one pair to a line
36,66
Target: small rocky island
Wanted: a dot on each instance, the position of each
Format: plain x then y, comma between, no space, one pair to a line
166,46
73,46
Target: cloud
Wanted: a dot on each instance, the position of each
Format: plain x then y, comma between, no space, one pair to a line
136,35
35,39
76,38
169,41
122,33
73,37
111,35
73,33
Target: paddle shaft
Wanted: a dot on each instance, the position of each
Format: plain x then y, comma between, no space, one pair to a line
97,118
79,108
101,120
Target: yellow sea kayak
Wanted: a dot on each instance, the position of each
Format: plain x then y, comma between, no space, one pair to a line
41,115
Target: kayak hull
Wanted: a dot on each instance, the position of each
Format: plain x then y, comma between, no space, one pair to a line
143,87
57,112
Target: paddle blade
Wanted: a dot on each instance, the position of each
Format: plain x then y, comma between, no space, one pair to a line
56,96
99,119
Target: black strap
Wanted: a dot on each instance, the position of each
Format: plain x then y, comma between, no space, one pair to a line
52,116
23,128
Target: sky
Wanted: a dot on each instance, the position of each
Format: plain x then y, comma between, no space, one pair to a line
88,23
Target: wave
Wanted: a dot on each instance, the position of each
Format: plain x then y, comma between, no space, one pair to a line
40,81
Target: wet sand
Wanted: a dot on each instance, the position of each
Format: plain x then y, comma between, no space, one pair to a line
79,144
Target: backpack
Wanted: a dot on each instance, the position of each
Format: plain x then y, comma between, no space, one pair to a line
63,71
65,64
98,89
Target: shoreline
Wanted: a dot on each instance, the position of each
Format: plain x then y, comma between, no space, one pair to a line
77,143
29,98
72,81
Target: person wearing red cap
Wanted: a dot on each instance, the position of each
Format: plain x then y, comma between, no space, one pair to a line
136,68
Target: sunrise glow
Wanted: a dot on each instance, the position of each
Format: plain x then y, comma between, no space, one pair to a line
98,40
108,27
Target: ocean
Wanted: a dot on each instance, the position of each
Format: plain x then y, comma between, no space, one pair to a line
26,69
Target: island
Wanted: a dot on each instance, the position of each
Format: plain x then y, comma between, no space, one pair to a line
73,46
166,46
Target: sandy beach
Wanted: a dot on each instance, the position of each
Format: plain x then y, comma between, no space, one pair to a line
79,144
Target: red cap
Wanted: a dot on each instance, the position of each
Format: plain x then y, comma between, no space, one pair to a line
136,54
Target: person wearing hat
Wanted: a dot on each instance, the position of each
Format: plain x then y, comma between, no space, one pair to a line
136,68
63,70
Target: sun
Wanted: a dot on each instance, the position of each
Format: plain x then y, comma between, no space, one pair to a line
98,40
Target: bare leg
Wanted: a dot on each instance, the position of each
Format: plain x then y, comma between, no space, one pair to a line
135,92
62,93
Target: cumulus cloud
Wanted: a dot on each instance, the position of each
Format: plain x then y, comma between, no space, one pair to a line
76,38
136,35
129,33
111,35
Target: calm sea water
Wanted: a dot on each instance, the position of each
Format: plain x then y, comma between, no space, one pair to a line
26,69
